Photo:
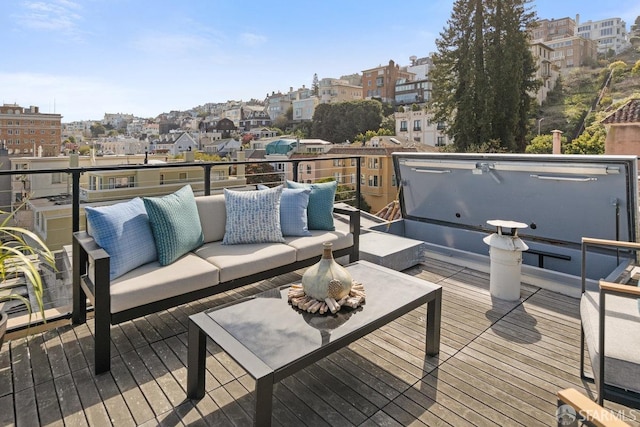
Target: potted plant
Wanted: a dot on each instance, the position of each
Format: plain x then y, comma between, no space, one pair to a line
17,247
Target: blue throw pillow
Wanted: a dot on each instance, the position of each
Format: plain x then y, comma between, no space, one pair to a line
123,231
293,210
175,224
252,216
321,200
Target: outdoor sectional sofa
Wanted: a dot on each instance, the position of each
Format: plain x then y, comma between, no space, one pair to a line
213,266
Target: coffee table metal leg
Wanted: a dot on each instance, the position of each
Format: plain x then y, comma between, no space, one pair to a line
264,396
195,361
434,309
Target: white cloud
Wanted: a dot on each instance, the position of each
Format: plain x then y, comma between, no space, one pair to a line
58,15
252,40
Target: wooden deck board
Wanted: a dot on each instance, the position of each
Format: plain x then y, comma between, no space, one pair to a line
501,363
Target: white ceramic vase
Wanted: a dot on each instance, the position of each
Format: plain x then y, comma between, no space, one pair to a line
327,278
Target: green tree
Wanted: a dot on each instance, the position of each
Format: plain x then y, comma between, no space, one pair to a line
344,120
543,144
483,73
97,129
315,85
262,173
590,141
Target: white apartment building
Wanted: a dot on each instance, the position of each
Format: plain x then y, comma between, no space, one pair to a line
303,109
419,127
610,34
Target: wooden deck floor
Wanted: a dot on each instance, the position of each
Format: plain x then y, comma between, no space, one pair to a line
500,364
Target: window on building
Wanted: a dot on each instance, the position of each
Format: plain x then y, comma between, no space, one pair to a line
183,176
417,125
440,141
362,179
308,169
403,126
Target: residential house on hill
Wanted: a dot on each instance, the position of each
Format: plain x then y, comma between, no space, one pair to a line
173,144
380,82
623,129
253,117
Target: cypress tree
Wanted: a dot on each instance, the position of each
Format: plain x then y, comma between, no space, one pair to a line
484,73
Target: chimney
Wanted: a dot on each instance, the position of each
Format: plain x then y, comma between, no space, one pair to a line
557,148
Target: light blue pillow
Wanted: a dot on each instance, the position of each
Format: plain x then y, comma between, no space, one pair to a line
252,216
321,200
293,211
123,231
175,224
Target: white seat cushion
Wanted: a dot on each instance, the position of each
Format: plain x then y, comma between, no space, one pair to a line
235,261
308,247
622,338
152,282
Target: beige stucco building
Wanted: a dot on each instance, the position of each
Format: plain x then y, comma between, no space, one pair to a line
377,175
623,129
48,208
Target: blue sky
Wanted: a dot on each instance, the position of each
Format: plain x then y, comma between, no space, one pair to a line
82,58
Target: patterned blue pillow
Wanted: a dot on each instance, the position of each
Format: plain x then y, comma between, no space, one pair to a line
252,216
175,224
293,211
123,231
321,200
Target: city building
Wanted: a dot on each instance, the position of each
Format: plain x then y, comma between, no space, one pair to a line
546,72
413,92
380,82
420,67
48,206
551,29
574,51
277,105
417,126
25,131
609,34
303,109
338,90
253,117
377,176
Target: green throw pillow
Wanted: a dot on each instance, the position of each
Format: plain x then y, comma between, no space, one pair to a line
321,200
175,224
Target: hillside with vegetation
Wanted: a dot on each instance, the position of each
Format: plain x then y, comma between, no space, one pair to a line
582,98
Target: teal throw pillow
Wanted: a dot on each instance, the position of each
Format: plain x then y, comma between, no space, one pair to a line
293,211
123,231
321,201
175,224
252,216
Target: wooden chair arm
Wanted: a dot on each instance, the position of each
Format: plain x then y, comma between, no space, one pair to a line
588,409
620,289
612,243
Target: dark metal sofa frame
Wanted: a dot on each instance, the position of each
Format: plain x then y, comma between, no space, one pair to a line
85,248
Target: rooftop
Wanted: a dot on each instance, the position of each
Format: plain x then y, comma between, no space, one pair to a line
500,363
